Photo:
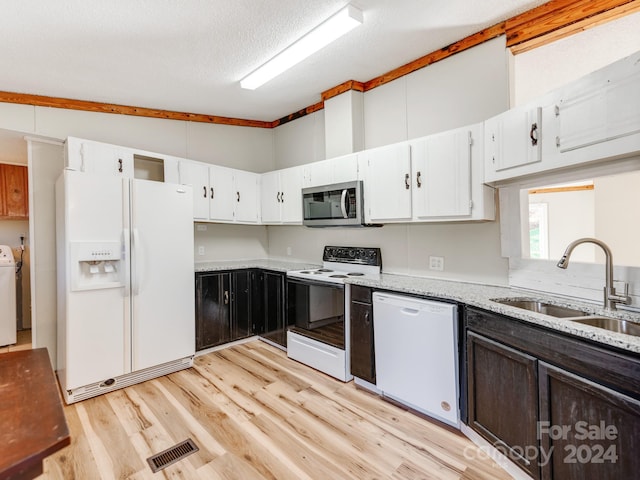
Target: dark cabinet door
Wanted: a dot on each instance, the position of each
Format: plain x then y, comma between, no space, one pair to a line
594,431
241,296
273,303
503,398
362,346
213,313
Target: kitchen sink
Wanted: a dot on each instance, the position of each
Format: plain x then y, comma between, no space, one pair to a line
611,324
541,307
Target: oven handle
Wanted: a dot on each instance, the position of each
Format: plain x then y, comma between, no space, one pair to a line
343,204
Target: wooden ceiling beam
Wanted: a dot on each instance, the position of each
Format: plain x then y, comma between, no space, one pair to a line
70,104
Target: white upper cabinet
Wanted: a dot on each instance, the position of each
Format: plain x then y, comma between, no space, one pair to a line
430,179
601,108
593,119
334,170
197,176
221,194
387,183
96,157
281,196
246,196
512,139
441,166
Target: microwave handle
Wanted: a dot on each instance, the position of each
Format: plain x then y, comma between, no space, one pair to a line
343,204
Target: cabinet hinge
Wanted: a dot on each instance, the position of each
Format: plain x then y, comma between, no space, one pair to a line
558,142
470,140
557,110
471,204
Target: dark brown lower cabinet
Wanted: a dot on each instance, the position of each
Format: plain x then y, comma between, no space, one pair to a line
593,431
362,356
560,407
228,307
503,398
273,305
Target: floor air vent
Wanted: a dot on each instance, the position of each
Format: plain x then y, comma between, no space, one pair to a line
172,455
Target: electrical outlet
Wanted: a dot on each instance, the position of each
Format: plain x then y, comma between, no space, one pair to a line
200,250
436,263
201,228
289,251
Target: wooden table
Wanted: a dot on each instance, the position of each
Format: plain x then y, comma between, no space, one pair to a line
32,422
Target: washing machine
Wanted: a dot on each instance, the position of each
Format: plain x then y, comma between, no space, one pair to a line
7,296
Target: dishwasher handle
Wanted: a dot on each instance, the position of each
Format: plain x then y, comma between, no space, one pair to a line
410,311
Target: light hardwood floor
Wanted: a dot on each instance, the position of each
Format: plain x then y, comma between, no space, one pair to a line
255,414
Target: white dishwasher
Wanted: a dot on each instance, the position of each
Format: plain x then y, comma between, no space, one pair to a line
416,351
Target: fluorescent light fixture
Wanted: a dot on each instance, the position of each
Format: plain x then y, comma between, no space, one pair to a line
333,28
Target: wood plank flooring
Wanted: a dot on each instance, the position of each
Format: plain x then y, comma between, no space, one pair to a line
255,414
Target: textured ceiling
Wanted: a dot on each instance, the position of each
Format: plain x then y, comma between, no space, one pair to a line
189,55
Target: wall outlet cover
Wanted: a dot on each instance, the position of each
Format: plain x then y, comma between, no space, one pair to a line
436,263
200,250
201,228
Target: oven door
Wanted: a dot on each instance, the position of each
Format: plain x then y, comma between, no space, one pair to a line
316,310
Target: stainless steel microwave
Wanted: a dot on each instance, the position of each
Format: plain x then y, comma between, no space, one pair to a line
337,205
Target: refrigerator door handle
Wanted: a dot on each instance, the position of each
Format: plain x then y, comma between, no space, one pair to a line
135,263
126,281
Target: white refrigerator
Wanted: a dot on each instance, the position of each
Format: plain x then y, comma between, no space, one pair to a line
126,301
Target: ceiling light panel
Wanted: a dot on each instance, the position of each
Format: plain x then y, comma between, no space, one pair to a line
330,30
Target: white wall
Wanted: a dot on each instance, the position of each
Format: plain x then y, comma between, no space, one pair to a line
239,147
545,68
299,142
470,251
230,242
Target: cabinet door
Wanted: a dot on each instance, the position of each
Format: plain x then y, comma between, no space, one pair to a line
441,167
222,194
320,173
362,342
603,106
213,320
273,303
594,431
241,301
503,398
291,195
345,169
387,184
246,196
513,139
106,159
197,176
14,196
270,197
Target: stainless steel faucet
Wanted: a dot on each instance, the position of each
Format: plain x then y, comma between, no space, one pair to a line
611,298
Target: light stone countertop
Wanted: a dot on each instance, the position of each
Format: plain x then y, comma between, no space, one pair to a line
472,294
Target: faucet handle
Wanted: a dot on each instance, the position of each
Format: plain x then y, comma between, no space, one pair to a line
614,296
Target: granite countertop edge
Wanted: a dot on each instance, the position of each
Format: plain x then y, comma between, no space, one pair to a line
469,293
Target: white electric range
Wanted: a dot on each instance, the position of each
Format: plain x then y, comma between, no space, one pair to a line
318,308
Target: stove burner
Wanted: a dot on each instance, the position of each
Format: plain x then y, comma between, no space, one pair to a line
355,274
338,276
323,270
316,272
305,272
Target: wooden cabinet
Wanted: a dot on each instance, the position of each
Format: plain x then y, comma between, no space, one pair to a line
213,309
228,307
503,397
14,195
281,199
222,194
559,406
600,433
434,178
273,307
361,335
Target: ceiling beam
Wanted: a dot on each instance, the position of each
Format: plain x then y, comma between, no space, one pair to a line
539,26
